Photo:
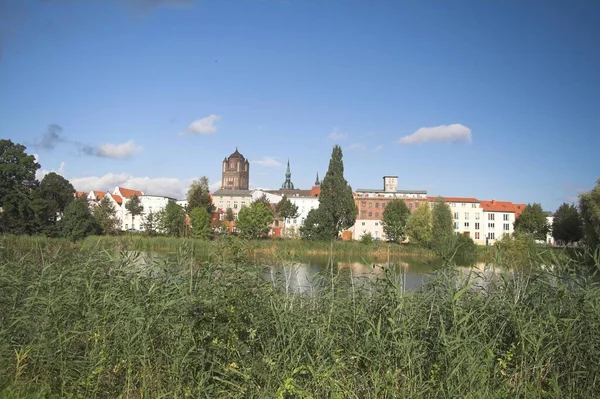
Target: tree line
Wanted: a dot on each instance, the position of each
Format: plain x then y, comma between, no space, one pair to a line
49,207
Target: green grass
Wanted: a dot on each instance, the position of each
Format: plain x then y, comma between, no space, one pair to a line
86,321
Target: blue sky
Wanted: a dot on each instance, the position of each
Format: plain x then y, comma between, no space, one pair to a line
500,99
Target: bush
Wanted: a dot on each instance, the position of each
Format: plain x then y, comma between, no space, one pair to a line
367,238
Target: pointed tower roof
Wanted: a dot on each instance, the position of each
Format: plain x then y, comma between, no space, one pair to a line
236,154
288,185
317,182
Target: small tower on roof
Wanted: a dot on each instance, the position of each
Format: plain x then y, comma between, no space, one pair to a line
317,182
288,185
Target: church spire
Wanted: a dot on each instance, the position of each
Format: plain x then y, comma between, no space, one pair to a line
288,185
317,182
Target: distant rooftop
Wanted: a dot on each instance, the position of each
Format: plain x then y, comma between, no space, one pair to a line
232,193
367,190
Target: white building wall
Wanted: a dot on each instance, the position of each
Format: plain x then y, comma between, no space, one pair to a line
151,203
364,226
549,239
235,202
467,219
497,224
305,205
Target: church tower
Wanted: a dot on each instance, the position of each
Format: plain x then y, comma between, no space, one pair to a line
236,172
287,184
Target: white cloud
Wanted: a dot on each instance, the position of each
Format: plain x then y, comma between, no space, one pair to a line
203,126
165,186
337,136
115,151
455,133
214,186
268,161
379,147
356,147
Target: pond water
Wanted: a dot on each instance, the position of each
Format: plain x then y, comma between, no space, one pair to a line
304,275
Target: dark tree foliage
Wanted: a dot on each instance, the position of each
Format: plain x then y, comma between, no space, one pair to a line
336,202
533,222
443,239
198,196
286,209
567,226
395,216
317,226
58,192
106,216
171,220
229,216
135,207
254,221
265,200
17,182
77,221
589,204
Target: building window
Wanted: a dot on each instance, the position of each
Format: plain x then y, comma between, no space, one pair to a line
491,216
376,224
235,205
477,216
506,226
363,214
466,215
505,217
473,205
363,223
455,215
370,214
295,220
491,226
370,205
466,224
477,235
476,226
463,204
492,236
453,205
377,205
455,225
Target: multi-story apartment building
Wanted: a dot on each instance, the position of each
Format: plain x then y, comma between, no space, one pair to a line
499,219
372,202
234,199
467,215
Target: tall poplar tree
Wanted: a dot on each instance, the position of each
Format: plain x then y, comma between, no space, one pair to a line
336,201
443,239
589,205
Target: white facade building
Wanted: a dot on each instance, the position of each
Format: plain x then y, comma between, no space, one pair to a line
498,220
467,216
234,199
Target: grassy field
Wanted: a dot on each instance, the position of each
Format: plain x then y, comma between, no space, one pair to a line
85,321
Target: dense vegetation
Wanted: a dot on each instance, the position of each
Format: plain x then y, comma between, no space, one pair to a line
76,321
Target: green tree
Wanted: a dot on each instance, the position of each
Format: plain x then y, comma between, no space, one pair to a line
395,217
171,220
149,223
317,226
105,215
567,226
336,201
533,221
198,196
254,221
200,220
418,226
443,239
589,205
229,216
285,209
17,182
265,200
77,221
135,207
58,192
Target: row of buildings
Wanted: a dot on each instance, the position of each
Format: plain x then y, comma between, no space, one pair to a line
484,221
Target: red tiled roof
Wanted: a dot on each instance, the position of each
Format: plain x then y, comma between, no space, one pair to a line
454,199
128,193
519,208
79,194
117,198
98,195
315,191
497,206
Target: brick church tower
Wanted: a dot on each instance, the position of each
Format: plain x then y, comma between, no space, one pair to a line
236,172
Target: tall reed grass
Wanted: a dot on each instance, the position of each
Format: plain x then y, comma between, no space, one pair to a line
82,321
